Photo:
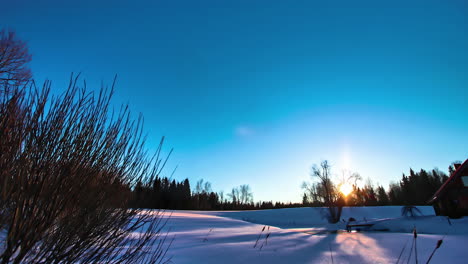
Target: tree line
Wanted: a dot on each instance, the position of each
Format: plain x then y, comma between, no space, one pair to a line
164,193
414,188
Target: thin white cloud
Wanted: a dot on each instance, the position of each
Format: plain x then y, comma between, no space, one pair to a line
244,131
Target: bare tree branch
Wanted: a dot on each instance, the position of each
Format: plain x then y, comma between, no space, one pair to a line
67,169
14,57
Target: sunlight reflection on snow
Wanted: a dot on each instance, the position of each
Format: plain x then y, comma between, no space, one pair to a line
359,244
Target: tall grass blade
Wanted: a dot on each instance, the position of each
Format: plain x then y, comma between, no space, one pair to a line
402,250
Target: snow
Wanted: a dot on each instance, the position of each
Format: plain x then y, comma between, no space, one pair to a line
314,216
302,235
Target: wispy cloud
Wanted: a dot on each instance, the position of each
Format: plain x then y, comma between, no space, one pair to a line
244,131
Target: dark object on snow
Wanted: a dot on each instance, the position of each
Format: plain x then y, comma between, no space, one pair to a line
452,197
357,225
448,220
410,210
348,225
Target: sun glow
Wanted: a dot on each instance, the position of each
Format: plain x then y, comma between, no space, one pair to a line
346,189
345,158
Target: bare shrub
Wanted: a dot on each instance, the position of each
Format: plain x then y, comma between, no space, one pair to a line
67,168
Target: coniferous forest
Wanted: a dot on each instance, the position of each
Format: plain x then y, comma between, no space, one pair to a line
414,188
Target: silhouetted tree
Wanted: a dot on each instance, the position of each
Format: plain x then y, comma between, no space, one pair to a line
14,57
327,190
395,194
245,194
234,196
417,188
369,195
305,200
382,197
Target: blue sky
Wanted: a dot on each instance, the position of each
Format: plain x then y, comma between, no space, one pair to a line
255,92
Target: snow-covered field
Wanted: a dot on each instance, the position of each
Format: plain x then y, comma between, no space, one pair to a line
302,235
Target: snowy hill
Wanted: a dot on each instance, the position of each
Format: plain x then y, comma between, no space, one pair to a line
313,216
283,236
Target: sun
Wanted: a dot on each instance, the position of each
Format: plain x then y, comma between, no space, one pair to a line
346,189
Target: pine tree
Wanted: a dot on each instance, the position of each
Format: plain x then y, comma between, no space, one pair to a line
382,196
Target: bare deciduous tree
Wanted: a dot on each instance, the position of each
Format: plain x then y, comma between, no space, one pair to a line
241,195
14,57
325,191
67,168
246,195
234,195
203,187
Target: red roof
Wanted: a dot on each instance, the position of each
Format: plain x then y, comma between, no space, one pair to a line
447,183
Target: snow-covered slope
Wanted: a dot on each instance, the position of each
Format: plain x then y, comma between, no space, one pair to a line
302,235
275,236
312,216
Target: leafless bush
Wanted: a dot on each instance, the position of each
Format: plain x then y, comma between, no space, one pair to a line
67,168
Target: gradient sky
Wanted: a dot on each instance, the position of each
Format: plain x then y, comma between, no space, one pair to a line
255,92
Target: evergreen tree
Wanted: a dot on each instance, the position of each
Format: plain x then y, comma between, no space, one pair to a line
382,196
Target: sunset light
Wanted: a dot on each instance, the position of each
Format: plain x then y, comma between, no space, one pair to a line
346,189
260,131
